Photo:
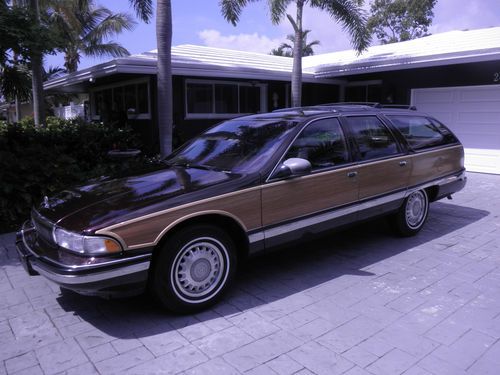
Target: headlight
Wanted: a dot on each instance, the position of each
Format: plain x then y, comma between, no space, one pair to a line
91,245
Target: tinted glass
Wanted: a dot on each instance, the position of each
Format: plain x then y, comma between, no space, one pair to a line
374,140
322,143
236,145
249,99
421,132
199,98
226,99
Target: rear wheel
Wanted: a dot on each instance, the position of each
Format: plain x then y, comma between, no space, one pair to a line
194,268
411,217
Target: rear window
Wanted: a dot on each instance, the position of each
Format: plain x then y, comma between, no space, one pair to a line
422,132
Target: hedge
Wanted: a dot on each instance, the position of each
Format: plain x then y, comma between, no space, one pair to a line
41,161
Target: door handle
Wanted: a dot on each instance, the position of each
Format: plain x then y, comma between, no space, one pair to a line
403,163
352,174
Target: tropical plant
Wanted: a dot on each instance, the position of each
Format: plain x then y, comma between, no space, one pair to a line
86,28
286,49
399,20
347,12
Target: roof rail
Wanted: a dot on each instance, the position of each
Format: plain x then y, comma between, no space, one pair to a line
305,108
369,104
399,106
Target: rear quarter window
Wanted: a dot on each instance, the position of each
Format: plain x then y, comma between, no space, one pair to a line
422,132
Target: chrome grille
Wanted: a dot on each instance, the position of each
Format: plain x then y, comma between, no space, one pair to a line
42,226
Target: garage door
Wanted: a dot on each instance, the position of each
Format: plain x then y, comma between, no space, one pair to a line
473,114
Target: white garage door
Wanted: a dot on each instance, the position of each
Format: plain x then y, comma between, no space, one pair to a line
473,114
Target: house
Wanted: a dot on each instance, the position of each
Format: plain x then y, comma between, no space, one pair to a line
454,76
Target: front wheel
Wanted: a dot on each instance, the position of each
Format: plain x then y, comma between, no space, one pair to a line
411,217
194,268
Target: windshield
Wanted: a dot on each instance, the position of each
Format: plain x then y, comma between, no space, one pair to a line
234,146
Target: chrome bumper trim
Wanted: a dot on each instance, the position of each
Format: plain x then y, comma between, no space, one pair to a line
90,278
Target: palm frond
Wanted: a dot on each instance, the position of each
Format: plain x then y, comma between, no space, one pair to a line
143,9
110,49
231,9
15,82
278,9
352,18
110,26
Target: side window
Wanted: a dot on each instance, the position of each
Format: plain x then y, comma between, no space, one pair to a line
421,132
374,140
322,143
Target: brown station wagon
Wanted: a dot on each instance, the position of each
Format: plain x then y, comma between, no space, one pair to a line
242,187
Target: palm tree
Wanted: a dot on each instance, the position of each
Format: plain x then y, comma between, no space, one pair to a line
347,12
286,49
144,9
85,28
164,75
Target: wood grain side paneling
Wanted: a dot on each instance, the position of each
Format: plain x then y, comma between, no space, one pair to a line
245,206
296,197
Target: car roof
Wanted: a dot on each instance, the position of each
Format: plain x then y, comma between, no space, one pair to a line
306,112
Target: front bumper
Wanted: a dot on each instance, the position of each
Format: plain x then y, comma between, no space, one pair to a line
117,277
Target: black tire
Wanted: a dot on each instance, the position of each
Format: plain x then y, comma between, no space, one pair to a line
194,268
411,216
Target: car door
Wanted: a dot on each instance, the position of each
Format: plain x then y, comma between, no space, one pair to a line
295,206
383,169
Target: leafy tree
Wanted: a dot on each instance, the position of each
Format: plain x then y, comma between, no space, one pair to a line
347,12
286,49
25,39
399,20
86,29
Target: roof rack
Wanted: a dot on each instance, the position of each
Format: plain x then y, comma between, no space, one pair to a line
399,106
368,104
307,108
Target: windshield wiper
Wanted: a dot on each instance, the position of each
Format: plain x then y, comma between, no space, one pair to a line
199,166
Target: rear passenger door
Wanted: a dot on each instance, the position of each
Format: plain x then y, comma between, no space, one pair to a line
383,168
292,207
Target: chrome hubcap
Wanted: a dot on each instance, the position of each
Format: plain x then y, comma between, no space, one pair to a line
416,208
199,268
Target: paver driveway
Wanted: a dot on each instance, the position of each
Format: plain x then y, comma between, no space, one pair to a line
357,302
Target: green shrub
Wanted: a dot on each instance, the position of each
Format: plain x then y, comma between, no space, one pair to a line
41,161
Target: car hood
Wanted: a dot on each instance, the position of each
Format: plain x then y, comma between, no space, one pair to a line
91,207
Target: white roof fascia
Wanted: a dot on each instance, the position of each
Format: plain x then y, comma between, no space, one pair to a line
401,64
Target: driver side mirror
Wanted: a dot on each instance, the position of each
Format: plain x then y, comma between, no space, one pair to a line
293,167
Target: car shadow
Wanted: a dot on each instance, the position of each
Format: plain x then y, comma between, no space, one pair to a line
279,275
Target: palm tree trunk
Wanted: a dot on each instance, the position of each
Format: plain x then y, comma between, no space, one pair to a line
164,77
297,57
37,77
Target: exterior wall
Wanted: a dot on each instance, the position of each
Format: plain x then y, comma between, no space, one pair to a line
397,85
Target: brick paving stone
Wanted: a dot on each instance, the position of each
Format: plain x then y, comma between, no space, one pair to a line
314,329
21,362
261,370
284,365
172,363
350,334
162,343
360,356
465,351
253,324
438,366
216,366
393,363
35,370
222,342
320,360
60,356
84,369
125,361
125,345
357,371
101,352
262,350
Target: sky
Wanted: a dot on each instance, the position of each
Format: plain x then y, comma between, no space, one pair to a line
200,22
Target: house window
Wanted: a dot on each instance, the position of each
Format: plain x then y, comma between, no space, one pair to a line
131,98
216,99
